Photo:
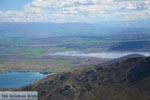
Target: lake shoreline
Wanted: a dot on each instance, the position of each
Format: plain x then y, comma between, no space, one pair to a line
110,55
20,79
9,71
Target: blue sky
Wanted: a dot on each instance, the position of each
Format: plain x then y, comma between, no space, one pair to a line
73,10
18,5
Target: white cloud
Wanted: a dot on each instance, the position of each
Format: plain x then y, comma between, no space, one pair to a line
28,8
79,10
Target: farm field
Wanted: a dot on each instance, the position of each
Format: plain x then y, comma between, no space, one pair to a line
34,53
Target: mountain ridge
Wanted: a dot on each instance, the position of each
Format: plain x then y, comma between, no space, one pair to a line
100,82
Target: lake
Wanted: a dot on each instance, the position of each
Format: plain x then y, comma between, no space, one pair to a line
19,79
99,55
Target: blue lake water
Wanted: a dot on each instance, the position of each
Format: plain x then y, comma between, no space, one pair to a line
99,55
19,79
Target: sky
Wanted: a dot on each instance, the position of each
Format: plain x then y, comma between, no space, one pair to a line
61,11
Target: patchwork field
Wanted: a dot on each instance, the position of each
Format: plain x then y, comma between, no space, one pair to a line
33,53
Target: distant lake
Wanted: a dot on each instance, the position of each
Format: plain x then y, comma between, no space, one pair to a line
19,79
99,55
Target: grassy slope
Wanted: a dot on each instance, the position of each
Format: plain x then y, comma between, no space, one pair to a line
124,80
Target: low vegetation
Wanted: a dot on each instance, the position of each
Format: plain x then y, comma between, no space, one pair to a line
124,80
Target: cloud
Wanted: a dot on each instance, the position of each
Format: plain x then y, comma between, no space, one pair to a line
122,4
134,4
28,8
79,11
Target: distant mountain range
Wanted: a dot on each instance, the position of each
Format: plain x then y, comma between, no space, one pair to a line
127,78
78,29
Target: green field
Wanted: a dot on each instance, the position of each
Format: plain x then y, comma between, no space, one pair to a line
33,53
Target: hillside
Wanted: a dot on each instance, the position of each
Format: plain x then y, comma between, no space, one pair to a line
124,80
122,58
